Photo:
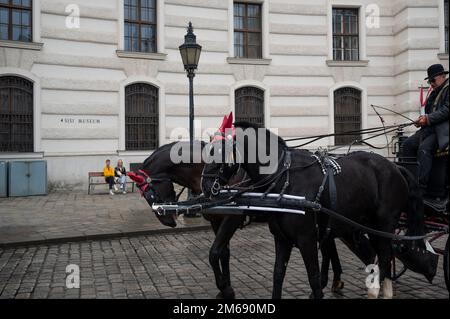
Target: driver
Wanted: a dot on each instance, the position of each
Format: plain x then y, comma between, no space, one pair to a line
433,133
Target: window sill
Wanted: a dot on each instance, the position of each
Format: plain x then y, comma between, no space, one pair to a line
20,156
141,55
443,56
361,63
135,153
249,61
21,45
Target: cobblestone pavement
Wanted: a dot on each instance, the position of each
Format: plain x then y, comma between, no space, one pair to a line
76,214
176,266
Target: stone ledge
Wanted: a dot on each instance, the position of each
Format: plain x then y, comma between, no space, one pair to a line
334,63
443,56
21,45
135,153
141,55
21,156
249,61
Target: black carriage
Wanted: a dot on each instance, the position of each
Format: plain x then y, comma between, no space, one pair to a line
436,200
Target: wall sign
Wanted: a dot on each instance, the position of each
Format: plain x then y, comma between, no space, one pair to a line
76,120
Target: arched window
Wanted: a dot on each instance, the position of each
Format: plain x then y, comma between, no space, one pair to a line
347,114
141,117
16,114
250,105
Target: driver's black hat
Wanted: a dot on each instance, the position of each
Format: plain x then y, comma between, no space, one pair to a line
435,70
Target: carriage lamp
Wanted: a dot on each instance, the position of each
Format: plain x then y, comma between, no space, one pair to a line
190,52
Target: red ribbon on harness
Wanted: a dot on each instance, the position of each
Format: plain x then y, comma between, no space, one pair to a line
141,181
423,101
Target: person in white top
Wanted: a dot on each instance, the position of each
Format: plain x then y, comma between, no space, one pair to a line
121,174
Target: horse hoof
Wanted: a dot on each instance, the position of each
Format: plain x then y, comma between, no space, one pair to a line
324,283
316,296
337,287
226,293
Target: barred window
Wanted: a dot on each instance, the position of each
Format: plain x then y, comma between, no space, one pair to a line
16,20
16,114
247,30
347,114
141,117
345,34
250,105
446,24
140,26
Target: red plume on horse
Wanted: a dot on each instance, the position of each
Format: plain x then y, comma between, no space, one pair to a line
225,127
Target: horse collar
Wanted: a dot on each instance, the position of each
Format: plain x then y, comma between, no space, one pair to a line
326,161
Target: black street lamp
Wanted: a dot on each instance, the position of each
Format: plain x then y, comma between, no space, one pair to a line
190,53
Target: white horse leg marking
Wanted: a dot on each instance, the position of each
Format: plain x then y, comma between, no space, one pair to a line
373,293
373,281
388,291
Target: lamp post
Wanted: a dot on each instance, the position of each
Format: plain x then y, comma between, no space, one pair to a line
190,54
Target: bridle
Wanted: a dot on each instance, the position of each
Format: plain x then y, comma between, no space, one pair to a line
272,179
145,184
216,186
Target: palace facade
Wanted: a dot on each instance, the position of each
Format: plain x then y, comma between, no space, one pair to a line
82,80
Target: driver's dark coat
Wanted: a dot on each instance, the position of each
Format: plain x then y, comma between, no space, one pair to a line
438,114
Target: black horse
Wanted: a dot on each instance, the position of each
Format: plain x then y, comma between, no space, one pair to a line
370,190
164,173
160,189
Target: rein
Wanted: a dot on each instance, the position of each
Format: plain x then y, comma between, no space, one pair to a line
201,203
314,206
354,132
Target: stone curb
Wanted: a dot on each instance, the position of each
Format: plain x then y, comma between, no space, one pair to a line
63,240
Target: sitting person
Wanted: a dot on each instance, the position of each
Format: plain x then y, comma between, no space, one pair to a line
433,133
108,173
121,174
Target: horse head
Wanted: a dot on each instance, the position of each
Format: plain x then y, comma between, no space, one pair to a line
246,146
155,187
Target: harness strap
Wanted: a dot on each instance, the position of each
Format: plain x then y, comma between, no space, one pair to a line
329,168
333,198
287,158
317,201
287,166
179,194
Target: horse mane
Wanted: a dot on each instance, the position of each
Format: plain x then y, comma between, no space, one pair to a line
162,149
246,125
156,153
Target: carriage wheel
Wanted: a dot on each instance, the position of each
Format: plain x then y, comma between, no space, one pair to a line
446,265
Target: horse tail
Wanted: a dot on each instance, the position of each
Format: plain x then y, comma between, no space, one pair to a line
415,208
